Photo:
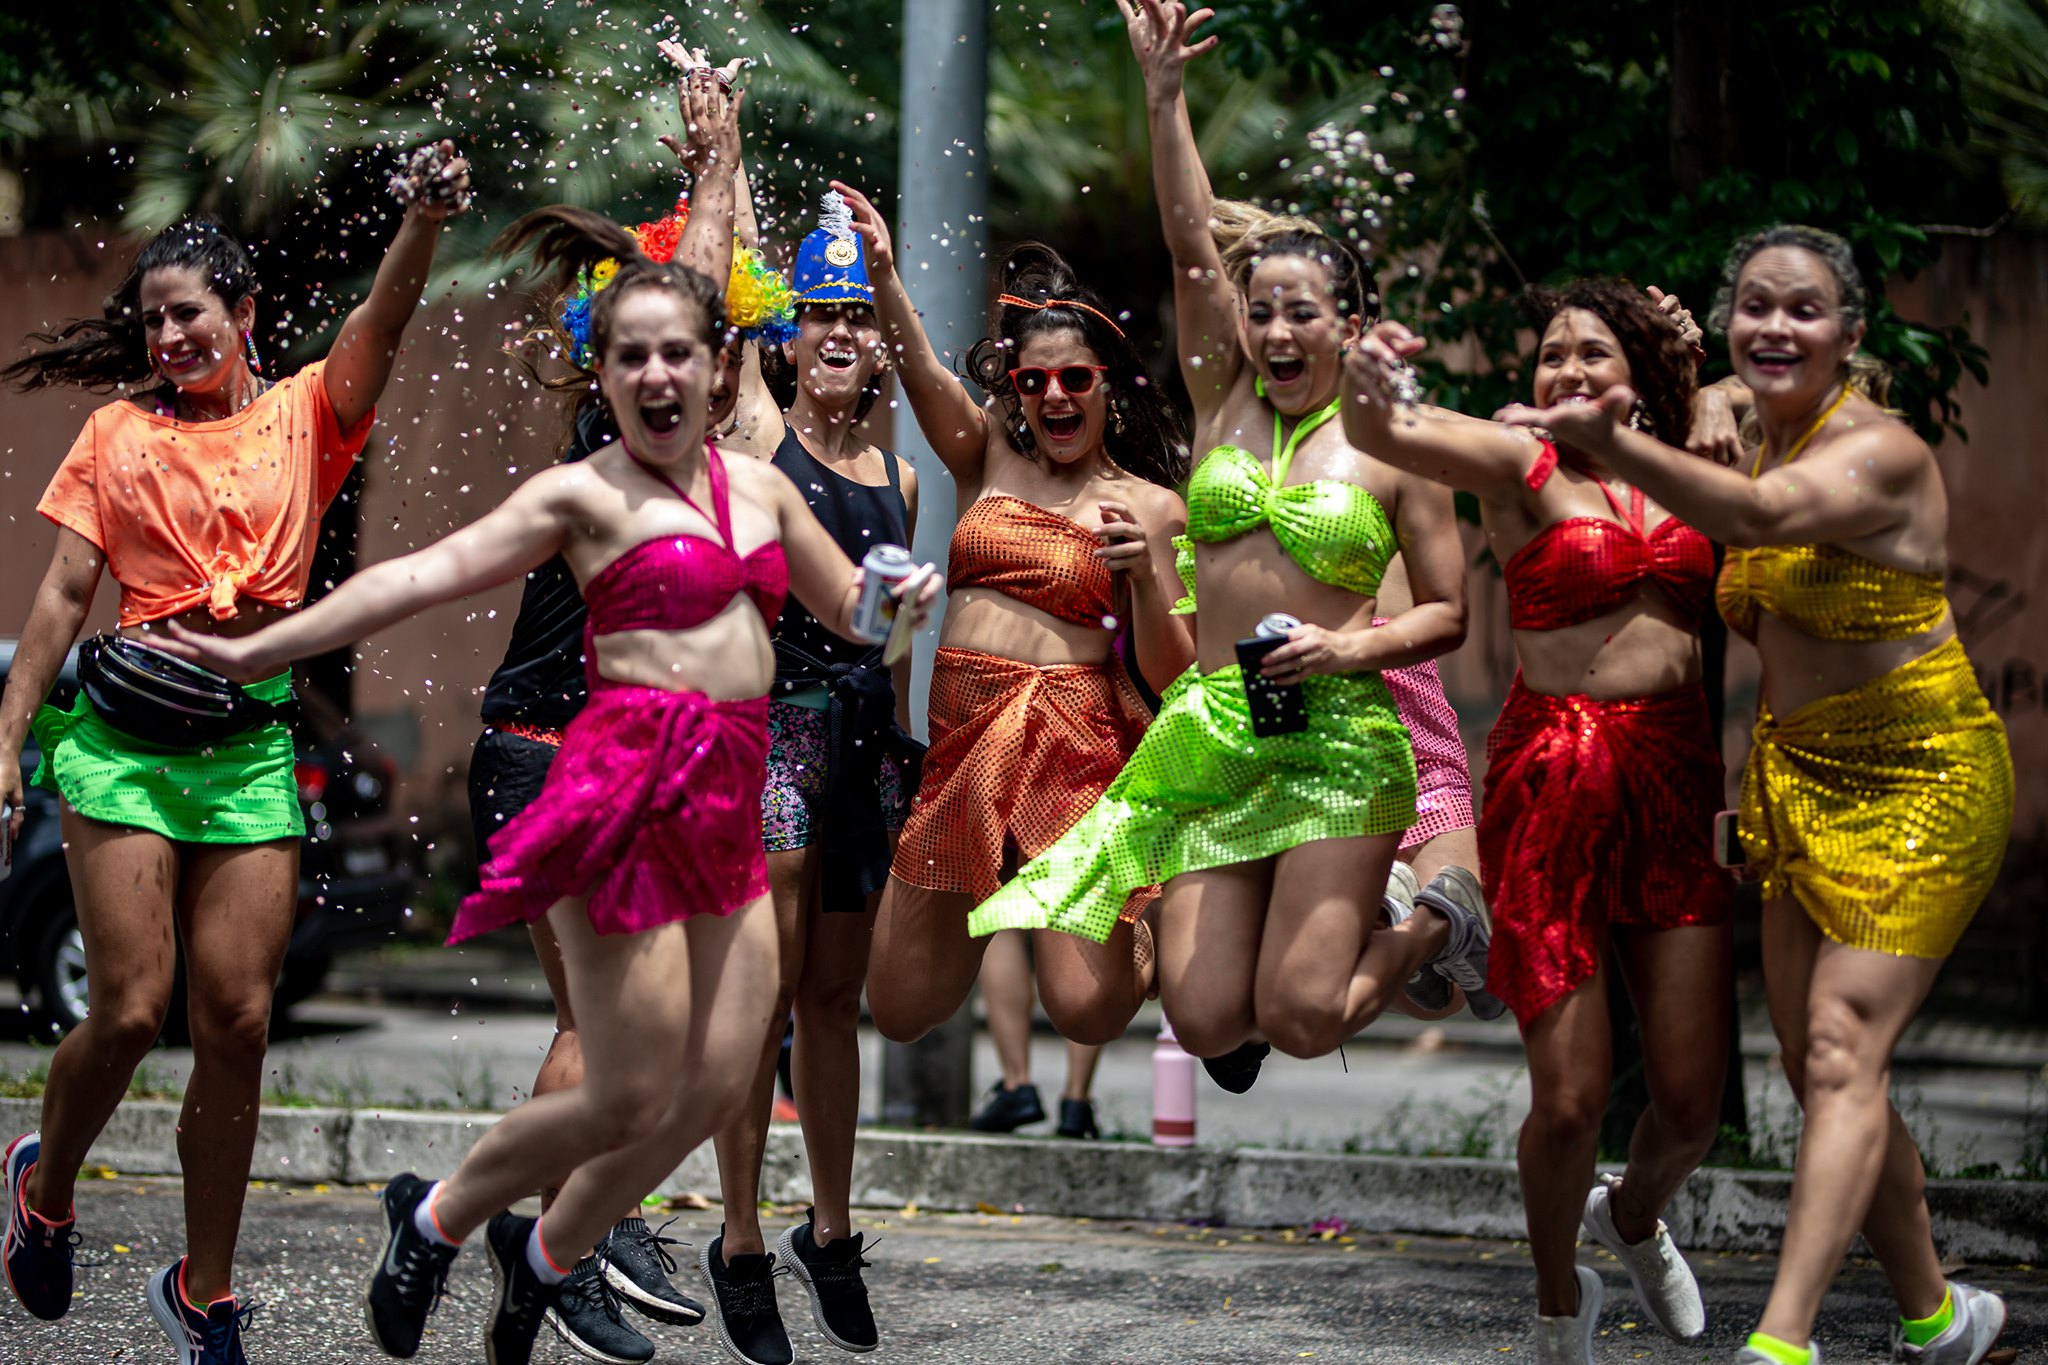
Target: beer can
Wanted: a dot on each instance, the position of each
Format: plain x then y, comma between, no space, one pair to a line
1278,623
884,566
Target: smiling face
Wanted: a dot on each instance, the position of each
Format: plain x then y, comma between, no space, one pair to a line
1785,333
1293,332
837,353
1579,357
656,373
1066,426
195,339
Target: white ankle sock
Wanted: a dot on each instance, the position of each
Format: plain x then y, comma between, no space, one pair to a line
537,1259
423,1218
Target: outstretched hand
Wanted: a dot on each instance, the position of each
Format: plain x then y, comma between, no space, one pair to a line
239,658
1160,31
874,232
1378,365
434,183
1689,329
710,107
1585,424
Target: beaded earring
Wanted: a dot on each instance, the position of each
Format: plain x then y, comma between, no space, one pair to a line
1116,419
255,361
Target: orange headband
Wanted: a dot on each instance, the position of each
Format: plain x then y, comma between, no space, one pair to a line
1016,302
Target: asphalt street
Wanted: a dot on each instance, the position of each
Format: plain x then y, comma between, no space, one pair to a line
973,1288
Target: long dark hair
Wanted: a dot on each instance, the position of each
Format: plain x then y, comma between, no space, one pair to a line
111,350
1154,441
1660,364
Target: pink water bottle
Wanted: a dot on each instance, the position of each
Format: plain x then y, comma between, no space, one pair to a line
1173,1092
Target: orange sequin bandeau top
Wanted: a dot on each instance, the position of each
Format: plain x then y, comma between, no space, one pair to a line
1041,558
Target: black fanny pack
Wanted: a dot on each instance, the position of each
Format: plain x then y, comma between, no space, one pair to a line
161,699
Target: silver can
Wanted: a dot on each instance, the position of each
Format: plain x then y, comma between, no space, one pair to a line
883,567
1278,623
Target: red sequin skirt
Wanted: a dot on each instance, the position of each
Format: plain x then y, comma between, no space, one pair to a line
652,810
1595,813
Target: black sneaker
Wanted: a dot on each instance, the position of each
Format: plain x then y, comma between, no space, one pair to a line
1008,1110
522,1298
202,1336
1238,1068
588,1318
637,1266
743,1290
1077,1119
839,1301
408,1283
36,1252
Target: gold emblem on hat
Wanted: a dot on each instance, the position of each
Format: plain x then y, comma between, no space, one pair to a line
842,252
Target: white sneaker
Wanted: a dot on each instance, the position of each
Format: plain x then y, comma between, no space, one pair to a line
1749,1355
1980,1317
1569,1341
1663,1281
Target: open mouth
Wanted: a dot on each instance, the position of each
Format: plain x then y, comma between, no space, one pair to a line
838,361
661,418
1061,426
183,361
1285,369
1772,361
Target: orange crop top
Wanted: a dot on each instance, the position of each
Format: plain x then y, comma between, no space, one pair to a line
192,512
1041,558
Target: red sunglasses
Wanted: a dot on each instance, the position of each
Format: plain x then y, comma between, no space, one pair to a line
1074,380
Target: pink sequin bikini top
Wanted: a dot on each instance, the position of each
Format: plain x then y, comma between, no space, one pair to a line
676,582
1584,567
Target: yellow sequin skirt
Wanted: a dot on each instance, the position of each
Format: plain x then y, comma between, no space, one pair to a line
1884,809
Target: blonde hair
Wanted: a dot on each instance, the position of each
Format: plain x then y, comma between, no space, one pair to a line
1245,234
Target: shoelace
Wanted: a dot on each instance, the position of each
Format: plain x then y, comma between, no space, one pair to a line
750,1298
598,1288
225,1333
653,1241
836,1271
420,1263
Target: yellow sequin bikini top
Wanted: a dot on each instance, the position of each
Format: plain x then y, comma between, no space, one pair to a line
1827,591
1336,531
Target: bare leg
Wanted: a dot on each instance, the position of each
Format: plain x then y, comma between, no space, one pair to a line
1324,972
1839,1012
1091,990
826,1065
924,961
124,883
1209,926
1452,848
235,906
1570,1060
1678,983
1081,1060
1006,997
562,1067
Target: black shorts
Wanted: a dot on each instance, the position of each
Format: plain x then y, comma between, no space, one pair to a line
505,775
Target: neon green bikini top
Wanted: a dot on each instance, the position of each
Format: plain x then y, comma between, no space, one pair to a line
1336,531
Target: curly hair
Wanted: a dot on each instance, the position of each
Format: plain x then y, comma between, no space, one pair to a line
780,375
1246,234
1154,441
111,350
1867,374
1660,364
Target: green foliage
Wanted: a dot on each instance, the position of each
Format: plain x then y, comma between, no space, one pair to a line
1541,151
2003,57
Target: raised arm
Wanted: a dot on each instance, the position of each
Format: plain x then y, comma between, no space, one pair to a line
360,364
954,423
519,535
54,621
1465,453
710,150
1204,301
1863,482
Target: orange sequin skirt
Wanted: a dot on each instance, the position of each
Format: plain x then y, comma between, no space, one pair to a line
1019,753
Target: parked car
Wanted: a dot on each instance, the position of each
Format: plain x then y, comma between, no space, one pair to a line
354,876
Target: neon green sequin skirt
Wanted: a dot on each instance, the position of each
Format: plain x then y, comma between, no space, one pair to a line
1203,791
240,791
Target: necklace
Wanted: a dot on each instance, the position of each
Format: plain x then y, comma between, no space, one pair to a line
1763,451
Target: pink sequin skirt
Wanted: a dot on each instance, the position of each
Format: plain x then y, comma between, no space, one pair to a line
1443,774
652,810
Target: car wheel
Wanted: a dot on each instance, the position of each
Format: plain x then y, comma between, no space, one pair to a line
60,970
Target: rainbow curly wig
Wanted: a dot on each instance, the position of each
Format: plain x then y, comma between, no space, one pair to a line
758,301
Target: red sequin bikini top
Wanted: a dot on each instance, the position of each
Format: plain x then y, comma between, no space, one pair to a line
1584,567
676,582
1041,558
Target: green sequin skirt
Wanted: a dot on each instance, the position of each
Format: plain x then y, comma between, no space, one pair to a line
1202,791
239,791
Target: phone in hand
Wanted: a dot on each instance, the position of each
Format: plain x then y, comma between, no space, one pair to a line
1277,708
1728,850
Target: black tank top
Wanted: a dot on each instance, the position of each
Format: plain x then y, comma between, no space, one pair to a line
858,516
541,680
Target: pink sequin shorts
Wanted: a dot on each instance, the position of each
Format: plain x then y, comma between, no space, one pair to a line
1443,775
652,810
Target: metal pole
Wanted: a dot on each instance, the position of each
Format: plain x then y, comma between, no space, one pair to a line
941,251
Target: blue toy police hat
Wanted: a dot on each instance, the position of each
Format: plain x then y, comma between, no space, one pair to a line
830,266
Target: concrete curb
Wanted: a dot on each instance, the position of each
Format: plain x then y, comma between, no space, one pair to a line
1718,1210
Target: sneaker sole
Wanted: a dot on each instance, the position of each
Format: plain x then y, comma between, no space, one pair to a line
1620,1251
786,1244
646,1304
584,1348
717,1314
1977,1353
169,1319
